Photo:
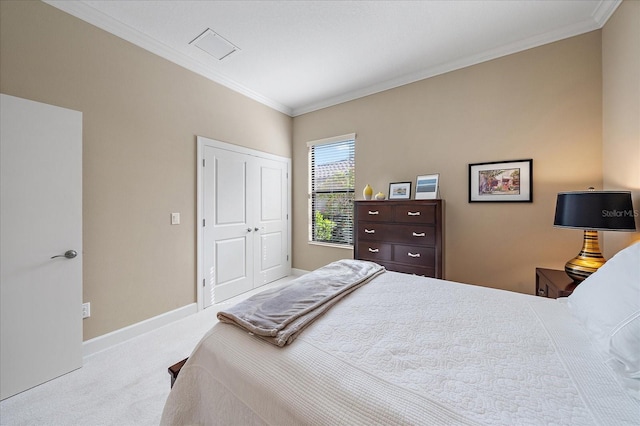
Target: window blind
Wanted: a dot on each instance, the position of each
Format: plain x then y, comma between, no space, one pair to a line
332,180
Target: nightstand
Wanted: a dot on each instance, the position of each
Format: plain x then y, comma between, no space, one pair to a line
552,283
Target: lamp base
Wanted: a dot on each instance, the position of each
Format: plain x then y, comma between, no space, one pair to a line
588,260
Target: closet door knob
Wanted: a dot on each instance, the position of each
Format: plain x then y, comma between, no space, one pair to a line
248,229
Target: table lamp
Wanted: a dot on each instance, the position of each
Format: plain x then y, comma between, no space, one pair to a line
593,211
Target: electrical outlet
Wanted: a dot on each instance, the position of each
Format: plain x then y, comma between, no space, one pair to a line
86,310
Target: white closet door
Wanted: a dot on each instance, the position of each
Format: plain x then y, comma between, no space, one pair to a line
244,203
271,253
229,206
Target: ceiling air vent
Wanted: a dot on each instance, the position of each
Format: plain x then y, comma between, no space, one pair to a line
214,44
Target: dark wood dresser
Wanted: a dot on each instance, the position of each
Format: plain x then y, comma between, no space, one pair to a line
403,236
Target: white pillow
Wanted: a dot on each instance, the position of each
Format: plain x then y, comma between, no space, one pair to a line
608,304
625,345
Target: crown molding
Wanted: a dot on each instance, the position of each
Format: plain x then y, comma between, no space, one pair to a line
508,49
604,10
81,10
94,17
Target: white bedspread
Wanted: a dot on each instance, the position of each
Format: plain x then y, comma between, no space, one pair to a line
408,350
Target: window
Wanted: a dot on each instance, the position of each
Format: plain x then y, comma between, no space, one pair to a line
331,190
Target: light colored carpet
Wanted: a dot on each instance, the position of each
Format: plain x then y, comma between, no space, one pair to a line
127,384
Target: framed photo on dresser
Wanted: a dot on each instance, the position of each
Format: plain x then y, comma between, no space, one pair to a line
400,190
427,187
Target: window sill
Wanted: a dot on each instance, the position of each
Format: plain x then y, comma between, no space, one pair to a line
340,246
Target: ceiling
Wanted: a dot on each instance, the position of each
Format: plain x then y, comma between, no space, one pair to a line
300,56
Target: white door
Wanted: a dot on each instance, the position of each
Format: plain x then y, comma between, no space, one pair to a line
228,225
271,254
41,206
245,217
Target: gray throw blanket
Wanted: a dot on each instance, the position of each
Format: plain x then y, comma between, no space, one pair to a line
280,314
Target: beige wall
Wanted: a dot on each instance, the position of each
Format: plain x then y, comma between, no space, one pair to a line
621,112
141,114
544,103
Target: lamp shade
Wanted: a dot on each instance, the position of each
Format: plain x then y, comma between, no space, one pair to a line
595,210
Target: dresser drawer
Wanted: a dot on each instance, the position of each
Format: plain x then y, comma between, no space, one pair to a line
373,231
414,213
411,269
378,212
370,250
414,255
413,234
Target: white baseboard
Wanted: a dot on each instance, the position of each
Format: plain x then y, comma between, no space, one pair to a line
298,272
100,343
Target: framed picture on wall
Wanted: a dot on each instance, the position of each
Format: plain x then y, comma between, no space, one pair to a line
501,182
400,191
427,187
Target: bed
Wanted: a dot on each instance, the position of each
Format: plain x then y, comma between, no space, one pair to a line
403,349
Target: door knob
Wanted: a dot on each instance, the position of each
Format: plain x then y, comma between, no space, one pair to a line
256,229
248,229
69,254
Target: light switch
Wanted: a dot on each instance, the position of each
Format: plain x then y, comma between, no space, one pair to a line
175,218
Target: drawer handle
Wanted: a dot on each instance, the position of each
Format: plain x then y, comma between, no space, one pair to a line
421,234
372,250
369,231
413,213
374,212
413,254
